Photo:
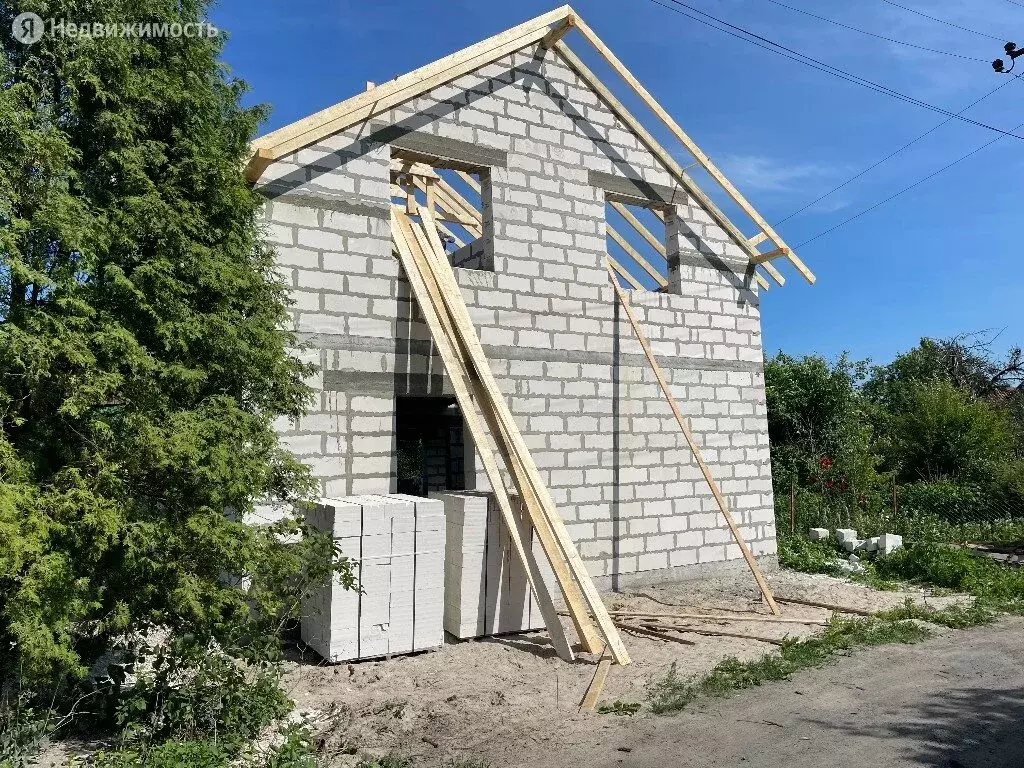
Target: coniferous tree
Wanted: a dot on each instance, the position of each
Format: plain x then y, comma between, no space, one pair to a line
143,356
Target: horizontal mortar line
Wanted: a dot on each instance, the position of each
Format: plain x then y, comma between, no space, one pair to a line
419,347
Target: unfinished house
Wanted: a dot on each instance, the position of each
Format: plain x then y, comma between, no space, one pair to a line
539,185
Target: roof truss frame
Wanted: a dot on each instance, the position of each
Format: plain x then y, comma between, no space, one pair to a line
547,29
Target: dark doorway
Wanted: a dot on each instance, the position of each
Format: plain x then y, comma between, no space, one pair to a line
429,444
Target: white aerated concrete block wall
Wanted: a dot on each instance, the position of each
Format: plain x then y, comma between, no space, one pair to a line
396,545
486,588
577,383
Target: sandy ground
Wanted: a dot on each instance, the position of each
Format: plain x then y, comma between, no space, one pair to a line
511,701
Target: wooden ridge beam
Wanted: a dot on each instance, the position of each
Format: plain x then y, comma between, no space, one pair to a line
691,146
558,32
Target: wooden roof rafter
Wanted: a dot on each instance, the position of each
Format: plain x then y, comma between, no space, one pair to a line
547,30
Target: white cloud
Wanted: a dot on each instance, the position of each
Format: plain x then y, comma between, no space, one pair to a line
763,173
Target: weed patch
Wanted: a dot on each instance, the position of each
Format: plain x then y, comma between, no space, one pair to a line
808,556
673,693
996,586
957,616
627,708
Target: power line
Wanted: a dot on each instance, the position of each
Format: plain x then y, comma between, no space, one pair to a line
789,53
874,34
1014,2
888,157
907,188
944,21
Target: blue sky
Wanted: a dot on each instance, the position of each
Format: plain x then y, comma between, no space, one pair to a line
942,259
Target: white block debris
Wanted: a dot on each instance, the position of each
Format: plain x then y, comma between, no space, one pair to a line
852,544
844,535
889,543
817,534
870,544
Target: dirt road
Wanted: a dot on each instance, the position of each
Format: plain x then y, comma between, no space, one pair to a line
955,701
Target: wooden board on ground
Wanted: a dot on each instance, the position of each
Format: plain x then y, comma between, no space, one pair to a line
633,615
593,694
827,606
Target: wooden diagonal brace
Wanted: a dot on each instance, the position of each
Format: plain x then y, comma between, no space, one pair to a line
751,563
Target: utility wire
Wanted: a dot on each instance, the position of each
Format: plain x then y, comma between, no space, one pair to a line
888,157
943,21
874,34
905,189
789,53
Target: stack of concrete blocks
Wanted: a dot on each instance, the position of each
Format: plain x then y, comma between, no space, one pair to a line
486,588
550,154
396,546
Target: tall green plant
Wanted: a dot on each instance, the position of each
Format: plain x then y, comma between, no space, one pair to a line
945,433
820,435
143,356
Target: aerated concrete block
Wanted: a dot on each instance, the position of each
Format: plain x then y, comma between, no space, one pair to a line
889,543
397,554
817,534
486,587
844,535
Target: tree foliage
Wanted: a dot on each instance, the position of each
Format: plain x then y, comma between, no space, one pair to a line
818,425
943,433
143,356
945,420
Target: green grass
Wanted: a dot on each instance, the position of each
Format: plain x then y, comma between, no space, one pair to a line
957,616
673,693
997,587
628,708
800,554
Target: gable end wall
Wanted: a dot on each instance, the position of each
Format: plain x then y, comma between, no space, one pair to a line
587,403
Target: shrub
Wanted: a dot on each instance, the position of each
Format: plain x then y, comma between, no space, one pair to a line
195,693
954,502
946,434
